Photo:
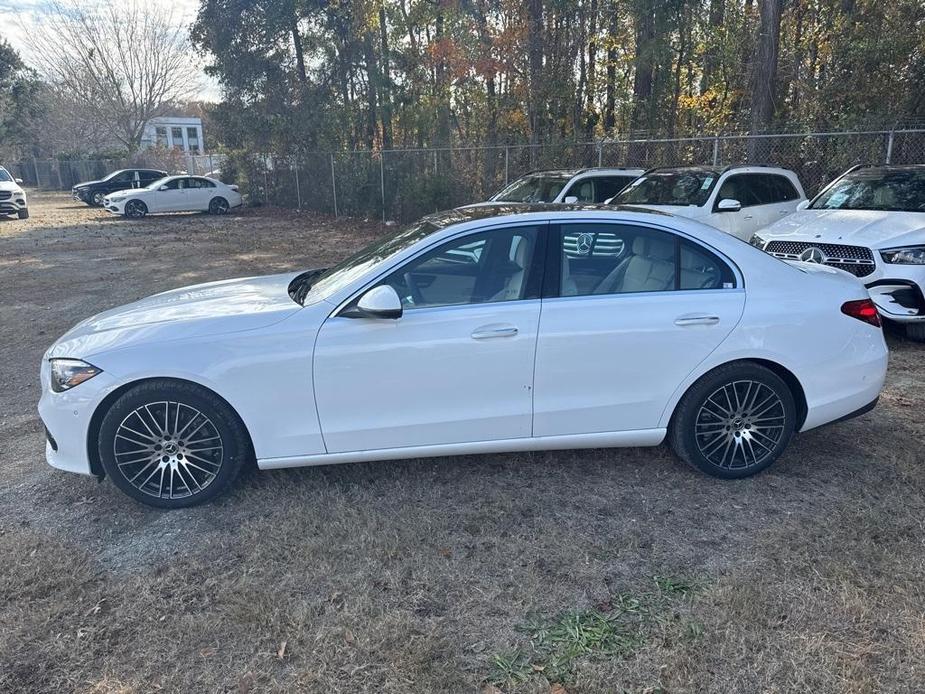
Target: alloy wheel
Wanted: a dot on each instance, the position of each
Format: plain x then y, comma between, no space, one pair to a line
168,450
740,424
133,208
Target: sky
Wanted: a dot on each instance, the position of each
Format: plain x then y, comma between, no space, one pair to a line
17,16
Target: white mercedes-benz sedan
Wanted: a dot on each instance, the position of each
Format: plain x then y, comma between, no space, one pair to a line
473,331
175,194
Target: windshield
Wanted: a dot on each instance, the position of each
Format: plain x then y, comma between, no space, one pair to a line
5,175
894,191
669,188
533,188
357,265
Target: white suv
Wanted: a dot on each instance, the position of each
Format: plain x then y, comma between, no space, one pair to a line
737,199
12,196
567,186
870,222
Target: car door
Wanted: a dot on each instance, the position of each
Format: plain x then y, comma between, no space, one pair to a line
456,367
170,197
199,193
614,345
749,217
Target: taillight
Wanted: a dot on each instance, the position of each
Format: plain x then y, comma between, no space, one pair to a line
863,309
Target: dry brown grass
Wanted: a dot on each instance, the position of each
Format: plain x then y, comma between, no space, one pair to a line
420,575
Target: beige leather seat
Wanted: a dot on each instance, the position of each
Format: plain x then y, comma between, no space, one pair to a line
650,268
569,287
513,285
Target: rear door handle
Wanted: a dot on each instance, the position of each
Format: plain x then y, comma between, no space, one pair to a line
696,320
487,332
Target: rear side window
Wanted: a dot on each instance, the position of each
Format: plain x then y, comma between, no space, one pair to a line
617,259
608,186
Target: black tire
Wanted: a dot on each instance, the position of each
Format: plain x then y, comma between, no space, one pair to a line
96,199
734,421
145,458
23,214
135,209
218,205
915,331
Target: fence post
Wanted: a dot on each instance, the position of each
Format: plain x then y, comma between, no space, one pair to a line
298,188
382,180
35,167
266,180
507,151
333,185
600,154
435,162
889,148
716,150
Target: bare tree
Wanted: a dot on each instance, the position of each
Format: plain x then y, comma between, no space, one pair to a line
120,64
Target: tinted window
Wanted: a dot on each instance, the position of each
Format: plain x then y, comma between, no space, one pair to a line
741,187
608,186
583,190
481,268
897,190
701,269
200,183
669,188
5,175
778,188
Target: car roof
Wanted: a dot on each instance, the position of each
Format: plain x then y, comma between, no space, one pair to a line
588,170
886,168
461,215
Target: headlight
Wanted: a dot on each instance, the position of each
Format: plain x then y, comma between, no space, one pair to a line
18,192
757,241
911,255
67,373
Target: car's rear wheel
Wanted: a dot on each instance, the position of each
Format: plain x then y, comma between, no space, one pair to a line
734,421
97,199
218,206
23,214
135,208
172,444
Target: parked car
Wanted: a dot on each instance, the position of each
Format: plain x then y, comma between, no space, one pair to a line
93,192
737,199
175,194
870,222
568,186
12,196
432,342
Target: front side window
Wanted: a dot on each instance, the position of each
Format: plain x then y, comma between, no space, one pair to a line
533,188
488,267
691,187
741,187
174,184
601,259
894,191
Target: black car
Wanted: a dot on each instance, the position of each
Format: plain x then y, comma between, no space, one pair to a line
93,192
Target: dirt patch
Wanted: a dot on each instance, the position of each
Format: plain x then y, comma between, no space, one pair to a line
420,575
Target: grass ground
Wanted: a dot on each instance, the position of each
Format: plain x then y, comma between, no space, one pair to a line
584,571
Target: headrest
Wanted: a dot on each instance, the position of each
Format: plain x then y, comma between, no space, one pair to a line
653,248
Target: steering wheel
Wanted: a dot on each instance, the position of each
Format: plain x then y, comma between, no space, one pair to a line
416,295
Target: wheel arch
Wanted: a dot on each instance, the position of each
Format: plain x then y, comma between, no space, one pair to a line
96,420
781,371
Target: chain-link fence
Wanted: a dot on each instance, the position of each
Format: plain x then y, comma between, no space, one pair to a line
404,184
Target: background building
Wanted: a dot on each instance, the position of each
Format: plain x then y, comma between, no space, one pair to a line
174,132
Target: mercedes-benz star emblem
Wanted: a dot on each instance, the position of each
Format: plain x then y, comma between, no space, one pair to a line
584,243
813,255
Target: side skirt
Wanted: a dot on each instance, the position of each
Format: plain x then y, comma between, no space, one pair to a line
620,439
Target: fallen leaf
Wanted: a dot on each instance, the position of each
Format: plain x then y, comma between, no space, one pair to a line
281,653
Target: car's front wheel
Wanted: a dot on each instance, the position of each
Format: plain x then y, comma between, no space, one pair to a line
97,199
172,444
136,209
735,421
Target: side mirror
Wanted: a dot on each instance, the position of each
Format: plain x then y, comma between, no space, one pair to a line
803,205
18,181
570,199
379,302
729,205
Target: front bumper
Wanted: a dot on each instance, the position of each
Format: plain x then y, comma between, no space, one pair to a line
13,204
900,300
67,417
80,195
114,206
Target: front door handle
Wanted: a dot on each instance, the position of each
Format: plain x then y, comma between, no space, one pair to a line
684,321
487,332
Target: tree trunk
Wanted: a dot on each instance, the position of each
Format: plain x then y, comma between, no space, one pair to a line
591,83
297,47
535,54
610,119
711,54
764,75
386,83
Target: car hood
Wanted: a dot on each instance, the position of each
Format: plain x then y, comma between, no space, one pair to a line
203,309
124,193
10,185
86,184
872,228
